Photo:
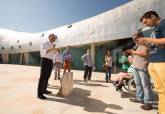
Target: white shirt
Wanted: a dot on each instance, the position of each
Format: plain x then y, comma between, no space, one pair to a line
57,57
45,46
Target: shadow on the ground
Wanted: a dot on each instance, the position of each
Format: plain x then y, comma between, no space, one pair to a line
100,81
89,84
53,87
80,82
128,95
125,94
79,97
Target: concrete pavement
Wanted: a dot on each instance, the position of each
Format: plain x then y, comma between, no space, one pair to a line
18,91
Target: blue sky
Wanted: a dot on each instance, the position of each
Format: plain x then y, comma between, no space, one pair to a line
42,15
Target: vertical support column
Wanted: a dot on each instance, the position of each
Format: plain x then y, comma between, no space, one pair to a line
21,58
26,57
93,52
5,58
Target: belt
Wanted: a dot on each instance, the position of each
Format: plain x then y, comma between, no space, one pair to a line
47,59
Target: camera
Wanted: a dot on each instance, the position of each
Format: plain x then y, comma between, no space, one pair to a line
137,35
132,43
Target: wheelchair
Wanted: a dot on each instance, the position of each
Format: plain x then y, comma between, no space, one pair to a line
130,86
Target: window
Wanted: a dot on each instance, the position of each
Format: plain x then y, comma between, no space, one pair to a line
12,47
69,26
42,35
17,41
3,48
19,46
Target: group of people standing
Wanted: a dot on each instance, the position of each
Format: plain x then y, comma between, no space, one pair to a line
156,67
62,60
149,62
146,60
52,57
89,65
148,57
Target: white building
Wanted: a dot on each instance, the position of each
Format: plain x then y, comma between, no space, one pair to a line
104,31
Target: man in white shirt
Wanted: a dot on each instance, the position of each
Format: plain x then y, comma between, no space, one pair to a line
47,53
88,63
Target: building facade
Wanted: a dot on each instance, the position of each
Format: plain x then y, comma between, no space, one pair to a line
109,30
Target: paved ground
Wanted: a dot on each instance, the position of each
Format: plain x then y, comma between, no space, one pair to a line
18,85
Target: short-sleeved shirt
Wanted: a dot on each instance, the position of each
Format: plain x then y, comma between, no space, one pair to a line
157,53
67,56
141,62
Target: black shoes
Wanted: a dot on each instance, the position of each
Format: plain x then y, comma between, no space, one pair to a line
47,92
136,101
42,97
146,106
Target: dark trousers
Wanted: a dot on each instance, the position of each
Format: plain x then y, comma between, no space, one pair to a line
108,73
46,69
87,72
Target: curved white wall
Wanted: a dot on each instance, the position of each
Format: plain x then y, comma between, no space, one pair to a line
118,23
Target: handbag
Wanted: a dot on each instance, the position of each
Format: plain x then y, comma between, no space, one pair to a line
105,66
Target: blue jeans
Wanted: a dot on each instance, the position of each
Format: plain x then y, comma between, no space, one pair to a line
108,74
143,86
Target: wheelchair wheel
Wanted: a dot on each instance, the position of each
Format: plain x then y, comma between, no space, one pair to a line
132,87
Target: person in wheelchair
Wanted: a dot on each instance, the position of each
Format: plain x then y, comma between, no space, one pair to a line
123,78
126,73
